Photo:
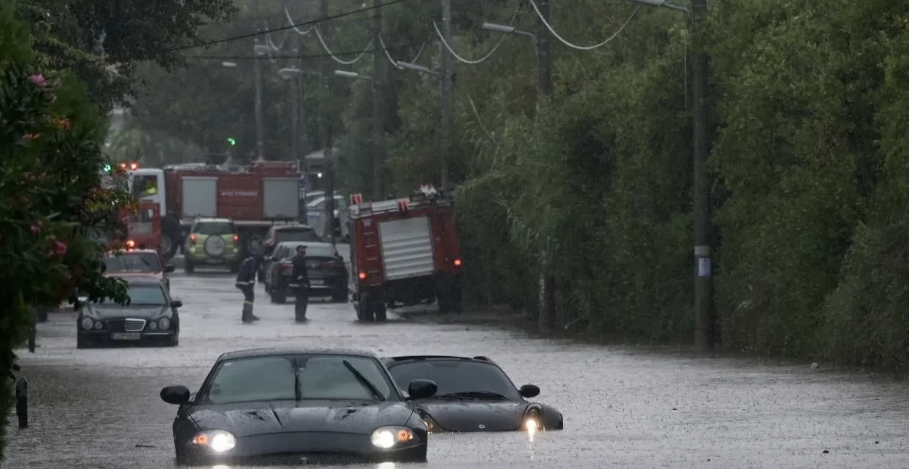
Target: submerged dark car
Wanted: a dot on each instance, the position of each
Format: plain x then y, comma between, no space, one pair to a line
300,406
150,318
473,395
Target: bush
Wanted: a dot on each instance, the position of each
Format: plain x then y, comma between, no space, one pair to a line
52,199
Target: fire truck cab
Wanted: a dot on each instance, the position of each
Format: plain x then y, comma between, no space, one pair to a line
404,252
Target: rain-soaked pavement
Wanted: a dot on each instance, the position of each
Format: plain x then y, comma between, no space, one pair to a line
623,407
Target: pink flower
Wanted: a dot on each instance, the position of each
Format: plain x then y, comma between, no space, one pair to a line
38,79
59,248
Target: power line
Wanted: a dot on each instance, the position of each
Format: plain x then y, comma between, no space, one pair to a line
297,57
284,28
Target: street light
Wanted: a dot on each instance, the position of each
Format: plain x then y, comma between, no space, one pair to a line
501,28
288,73
415,67
262,49
346,74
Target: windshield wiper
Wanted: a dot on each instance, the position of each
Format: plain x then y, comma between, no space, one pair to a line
473,395
365,382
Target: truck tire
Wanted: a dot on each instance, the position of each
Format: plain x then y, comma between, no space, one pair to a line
444,301
381,313
171,238
365,310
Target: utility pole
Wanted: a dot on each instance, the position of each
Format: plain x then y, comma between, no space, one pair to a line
378,105
257,71
327,143
447,92
704,321
546,281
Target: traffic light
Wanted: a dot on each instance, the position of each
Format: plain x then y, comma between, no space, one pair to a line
107,168
232,142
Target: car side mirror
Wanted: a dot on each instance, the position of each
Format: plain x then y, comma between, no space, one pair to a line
176,304
168,268
421,389
177,395
529,390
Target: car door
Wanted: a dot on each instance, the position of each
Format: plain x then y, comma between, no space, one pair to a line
273,265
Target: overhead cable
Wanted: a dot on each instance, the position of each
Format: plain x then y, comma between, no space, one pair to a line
394,62
285,28
573,46
295,28
332,55
485,57
300,57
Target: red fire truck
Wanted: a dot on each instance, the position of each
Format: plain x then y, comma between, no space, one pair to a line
254,197
143,228
404,252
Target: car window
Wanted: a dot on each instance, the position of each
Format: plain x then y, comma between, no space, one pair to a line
144,262
296,234
214,228
321,251
323,377
149,294
326,377
453,376
253,379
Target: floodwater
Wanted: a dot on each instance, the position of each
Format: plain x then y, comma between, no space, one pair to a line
623,407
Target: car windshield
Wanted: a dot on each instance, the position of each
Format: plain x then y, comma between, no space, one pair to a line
145,262
146,294
456,376
214,228
306,377
296,234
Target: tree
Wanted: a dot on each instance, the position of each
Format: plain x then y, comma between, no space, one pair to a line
102,42
54,202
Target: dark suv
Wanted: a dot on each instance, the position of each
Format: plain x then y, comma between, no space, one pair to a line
278,234
326,269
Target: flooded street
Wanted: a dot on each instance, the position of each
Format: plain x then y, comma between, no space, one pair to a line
623,408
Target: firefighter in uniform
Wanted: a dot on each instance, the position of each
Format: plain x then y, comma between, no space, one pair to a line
246,282
301,278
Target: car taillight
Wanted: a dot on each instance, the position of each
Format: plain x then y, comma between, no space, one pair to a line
457,262
130,244
192,239
236,238
362,275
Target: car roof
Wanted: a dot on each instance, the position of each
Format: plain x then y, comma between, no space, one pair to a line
268,352
304,243
139,278
213,220
388,361
132,251
292,227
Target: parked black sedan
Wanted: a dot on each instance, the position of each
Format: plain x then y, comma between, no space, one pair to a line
326,268
150,318
473,395
298,406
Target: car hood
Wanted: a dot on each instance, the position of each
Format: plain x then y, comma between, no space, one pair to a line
119,312
468,415
245,419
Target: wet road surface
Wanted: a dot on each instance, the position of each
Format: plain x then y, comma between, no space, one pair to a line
99,408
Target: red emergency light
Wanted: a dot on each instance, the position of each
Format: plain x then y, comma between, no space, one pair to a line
402,206
192,239
362,275
131,244
457,262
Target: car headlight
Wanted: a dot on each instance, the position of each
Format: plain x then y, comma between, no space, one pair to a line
389,437
88,323
218,441
164,324
532,418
